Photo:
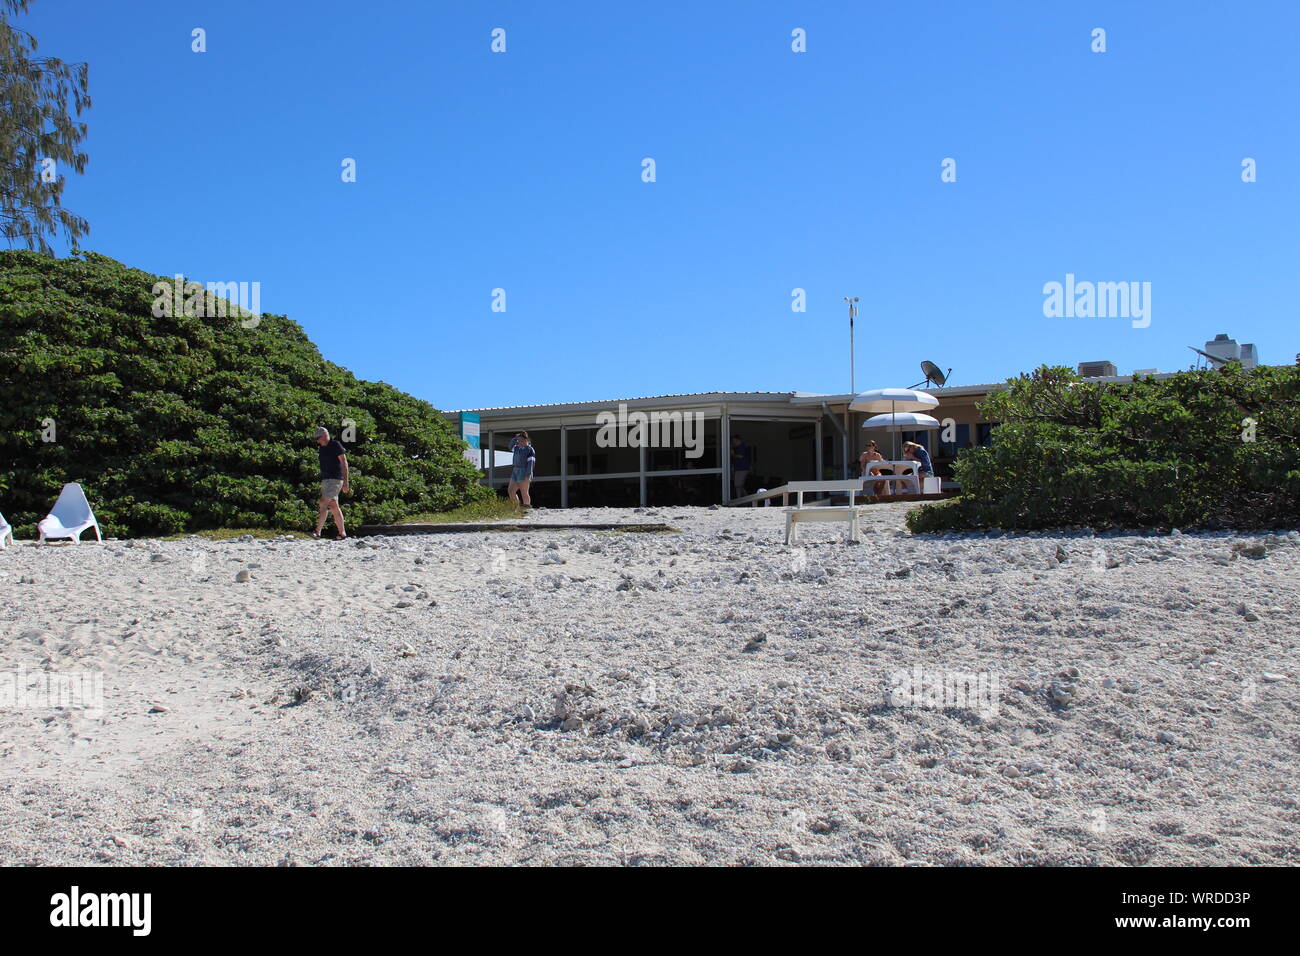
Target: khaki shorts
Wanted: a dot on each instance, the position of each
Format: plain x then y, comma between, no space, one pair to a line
330,487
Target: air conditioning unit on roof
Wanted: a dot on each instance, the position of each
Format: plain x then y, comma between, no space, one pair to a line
1097,369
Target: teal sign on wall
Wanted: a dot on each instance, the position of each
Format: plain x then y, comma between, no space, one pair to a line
469,428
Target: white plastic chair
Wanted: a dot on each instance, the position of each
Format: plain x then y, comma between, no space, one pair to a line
70,516
6,531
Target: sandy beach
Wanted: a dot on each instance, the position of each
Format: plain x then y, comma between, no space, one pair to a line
709,696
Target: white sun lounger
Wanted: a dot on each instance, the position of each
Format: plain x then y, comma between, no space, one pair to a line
6,532
70,516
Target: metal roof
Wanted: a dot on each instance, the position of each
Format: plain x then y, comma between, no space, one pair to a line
709,396
794,398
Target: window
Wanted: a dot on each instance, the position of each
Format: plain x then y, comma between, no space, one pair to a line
779,451
950,449
586,457
702,436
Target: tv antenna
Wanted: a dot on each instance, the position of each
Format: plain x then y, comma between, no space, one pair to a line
933,374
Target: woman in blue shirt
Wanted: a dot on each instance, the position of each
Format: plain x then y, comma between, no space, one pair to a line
918,454
521,470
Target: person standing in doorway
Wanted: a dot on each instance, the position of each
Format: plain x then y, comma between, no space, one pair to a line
521,470
740,460
334,480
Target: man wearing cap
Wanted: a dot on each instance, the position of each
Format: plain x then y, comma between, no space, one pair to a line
333,479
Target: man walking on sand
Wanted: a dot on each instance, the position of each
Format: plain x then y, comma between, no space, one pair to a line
333,480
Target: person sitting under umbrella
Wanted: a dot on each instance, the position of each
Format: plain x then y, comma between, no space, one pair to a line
917,453
872,453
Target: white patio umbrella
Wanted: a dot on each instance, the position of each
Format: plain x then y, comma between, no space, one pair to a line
902,422
893,400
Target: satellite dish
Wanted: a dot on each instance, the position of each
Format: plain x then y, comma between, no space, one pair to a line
933,375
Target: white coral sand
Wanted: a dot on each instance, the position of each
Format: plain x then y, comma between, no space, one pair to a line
708,696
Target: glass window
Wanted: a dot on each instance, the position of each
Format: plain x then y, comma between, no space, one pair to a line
587,457
684,441
950,449
779,452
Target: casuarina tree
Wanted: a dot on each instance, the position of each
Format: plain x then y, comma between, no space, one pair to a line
41,102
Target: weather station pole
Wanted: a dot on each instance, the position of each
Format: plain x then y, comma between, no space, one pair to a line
853,379
853,311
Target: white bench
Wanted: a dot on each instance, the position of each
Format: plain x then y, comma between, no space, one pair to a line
796,516
799,514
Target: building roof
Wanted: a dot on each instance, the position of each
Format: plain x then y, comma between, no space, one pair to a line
685,398
793,398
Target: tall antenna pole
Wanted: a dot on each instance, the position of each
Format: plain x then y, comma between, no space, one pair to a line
853,311
853,382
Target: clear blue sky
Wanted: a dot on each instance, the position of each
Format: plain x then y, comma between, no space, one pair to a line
776,170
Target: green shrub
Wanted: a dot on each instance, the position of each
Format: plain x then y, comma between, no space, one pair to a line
184,424
1154,453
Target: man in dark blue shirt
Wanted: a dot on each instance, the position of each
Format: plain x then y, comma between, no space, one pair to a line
333,481
740,458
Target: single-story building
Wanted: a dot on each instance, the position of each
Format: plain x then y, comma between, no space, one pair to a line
674,449
791,436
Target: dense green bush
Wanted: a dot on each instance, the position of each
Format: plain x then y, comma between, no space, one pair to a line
181,423
1154,453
